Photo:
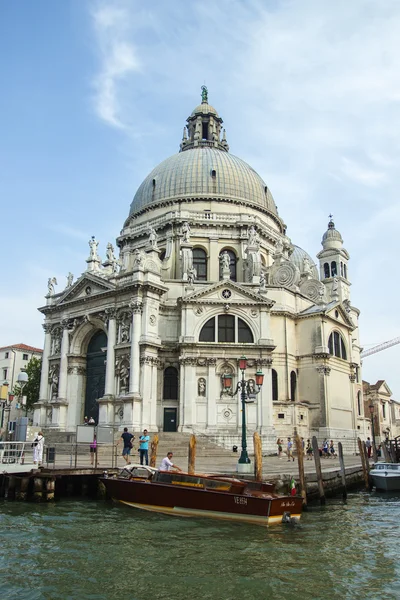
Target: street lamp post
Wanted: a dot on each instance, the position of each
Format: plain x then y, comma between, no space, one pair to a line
22,380
247,395
371,411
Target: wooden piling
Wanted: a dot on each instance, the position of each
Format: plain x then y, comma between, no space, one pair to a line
318,471
50,485
10,488
363,463
153,454
257,456
366,457
38,489
192,455
22,488
300,460
342,470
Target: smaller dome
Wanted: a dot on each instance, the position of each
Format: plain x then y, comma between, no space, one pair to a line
205,109
297,258
331,237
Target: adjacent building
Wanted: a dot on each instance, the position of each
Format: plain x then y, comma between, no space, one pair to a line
205,272
383,410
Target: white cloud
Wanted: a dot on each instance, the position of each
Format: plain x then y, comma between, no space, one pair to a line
361,174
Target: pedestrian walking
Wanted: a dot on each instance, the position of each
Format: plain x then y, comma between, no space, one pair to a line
93,449
144,447
309,450
289,449
368,445
167,464
38,445
279,446
127,439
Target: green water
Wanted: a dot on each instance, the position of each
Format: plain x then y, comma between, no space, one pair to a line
93,550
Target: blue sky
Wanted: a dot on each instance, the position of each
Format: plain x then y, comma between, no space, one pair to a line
95,94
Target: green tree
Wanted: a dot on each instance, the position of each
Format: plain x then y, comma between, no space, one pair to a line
32,388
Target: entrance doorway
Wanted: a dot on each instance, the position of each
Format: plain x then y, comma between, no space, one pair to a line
170,419
95,374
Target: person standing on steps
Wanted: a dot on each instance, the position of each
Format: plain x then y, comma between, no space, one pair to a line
127,439
289,449
144,447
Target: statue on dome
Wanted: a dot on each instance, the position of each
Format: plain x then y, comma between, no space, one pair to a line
70,279
152,236
254,238
52,281
204,94
306,266
93,244
110,253
186,232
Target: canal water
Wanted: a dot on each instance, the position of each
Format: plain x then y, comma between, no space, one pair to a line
90,550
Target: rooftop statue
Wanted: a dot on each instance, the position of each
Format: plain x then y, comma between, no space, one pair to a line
93,244
204,94
52,281
70,279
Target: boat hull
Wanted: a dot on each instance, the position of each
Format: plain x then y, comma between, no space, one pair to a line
388,484
195,502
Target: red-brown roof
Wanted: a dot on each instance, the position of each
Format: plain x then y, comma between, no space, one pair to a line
21,347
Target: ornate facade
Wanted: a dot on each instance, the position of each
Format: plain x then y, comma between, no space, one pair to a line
205,274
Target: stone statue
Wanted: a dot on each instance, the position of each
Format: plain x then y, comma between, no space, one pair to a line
93,244
251,387
53,380
186,232
201,387
124,332
254,238
279,247
204,94
262,281
191,276
137,258
306,266
110,253
52,281
123,377
70,279
152,237
335,285
225,260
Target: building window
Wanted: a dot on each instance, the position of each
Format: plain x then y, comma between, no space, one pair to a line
200,264
5,373
336,345
384,410
345,271
333,269
232,264
274,385
25,357
359,403
170,391
293,385
205,131
326,270
341,268
229,329
6,354
281,415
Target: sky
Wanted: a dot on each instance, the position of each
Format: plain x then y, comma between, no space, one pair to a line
94,94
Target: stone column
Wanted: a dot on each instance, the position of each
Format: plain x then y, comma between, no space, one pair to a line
213,392
62,384
134,378
189,393
44,375
110,362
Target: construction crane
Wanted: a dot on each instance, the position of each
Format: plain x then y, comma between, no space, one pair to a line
380,347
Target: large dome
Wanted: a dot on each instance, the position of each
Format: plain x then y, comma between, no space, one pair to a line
203,172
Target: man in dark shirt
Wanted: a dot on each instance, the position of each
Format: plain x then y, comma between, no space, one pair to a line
127,439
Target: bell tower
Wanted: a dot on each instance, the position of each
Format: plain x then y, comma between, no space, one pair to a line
333,264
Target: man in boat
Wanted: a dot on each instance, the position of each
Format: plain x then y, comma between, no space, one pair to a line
127,439
167,464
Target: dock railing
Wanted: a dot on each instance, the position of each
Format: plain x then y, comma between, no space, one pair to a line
14,453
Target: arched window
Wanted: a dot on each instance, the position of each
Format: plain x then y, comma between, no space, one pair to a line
170,391
274,385
200,264
226,329
359,403
293,385
333,268
341,268
326,270
232,264
336,345
345,271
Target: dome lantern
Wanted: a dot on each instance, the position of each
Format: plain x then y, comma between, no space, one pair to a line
331,237
204,127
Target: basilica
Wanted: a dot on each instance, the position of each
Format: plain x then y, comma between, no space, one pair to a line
204,274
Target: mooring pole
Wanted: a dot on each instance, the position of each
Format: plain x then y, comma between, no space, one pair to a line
153,446
300,460
257,456
363,461
318,470
192,455
342,470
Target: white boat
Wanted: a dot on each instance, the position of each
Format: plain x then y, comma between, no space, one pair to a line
386,476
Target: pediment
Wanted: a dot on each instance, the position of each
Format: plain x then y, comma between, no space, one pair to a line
384,389
87,286
343,315
227,291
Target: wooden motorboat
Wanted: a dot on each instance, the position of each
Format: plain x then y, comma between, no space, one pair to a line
214,496
386,476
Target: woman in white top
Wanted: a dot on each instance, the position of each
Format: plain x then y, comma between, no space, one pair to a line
38,445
